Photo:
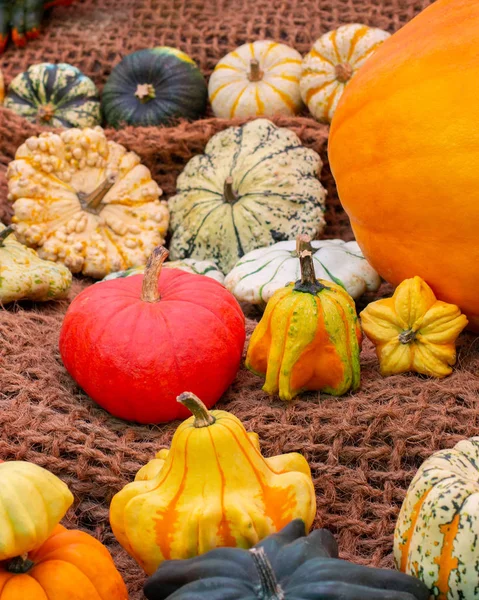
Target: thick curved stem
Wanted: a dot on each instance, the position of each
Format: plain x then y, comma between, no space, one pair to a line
91,202
19,564
228,192
203,418
5,233
255,73
270,588
308,282
149,290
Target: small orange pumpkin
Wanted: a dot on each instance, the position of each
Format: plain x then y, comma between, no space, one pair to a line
70,565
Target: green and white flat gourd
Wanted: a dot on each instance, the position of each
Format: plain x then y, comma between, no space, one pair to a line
261,272
197,267
437,532
25,276
56,95
153,87
254,185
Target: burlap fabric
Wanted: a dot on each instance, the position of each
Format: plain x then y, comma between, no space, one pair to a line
363,449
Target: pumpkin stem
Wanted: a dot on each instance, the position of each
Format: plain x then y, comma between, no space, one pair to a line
19,564
203,418
406,337
228,192
145,92
91,202
255,73
344,72
270,588
46,112
308,282
149,290
5,233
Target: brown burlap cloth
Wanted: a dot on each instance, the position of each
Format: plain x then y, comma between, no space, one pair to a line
363,449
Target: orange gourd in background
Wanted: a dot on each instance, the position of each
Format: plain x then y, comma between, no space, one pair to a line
404,151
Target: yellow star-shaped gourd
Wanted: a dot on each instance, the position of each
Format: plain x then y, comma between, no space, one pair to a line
413,331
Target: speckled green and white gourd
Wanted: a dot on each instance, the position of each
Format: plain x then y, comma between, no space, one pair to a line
261,272
55,95
254,185
189,265
436,537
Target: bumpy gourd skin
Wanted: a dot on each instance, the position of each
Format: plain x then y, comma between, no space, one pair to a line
436,532
213,489
412,331
23,275
86,202
307,341
32,502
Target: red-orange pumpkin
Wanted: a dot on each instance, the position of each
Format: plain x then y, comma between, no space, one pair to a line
134,344
404,150
70,565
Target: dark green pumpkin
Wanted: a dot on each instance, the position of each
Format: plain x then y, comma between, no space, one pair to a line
285,566
56,95
154,87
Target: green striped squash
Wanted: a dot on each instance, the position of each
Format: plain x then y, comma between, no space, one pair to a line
254,185
261,272
56,95
437,532
154,87
196,267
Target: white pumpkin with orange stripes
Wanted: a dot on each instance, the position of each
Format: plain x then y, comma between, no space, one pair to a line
333,60
261,78
436,537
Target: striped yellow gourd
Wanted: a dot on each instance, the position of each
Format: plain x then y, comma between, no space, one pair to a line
260,78
333,60
211,489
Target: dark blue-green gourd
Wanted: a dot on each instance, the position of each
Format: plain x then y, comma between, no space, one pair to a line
56,95
284,566
154,87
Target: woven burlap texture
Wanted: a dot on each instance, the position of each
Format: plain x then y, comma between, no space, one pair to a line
363,449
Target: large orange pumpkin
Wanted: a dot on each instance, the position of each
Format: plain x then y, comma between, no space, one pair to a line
404,150
69,565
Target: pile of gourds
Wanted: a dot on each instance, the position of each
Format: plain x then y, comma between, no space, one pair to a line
39,558
241,228
158,85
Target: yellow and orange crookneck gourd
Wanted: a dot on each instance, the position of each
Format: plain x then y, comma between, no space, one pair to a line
309,337
404,151
69,565
413,331
213,488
